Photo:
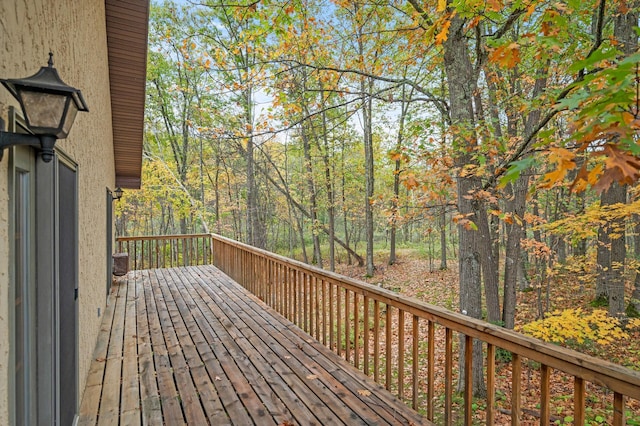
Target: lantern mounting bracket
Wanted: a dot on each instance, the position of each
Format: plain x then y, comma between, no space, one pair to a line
9,139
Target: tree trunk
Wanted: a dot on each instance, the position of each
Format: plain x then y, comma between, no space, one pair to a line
404,106
328,182
613,254
624,32
369,178
635,297
443,236
462,86
313,210
517,194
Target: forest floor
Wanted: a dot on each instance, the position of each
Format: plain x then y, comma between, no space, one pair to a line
413,276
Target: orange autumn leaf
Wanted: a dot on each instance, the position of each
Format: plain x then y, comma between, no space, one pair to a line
441,37
619,167
564,160
395,156
410,181
494,5
507,56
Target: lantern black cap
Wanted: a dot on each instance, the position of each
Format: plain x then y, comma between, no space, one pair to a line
46,80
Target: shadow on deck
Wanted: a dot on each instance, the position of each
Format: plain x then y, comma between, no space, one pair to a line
189,345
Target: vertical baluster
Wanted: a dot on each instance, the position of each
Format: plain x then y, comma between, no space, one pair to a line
287,288
132,259
356,331
415,362
292,288
164,253
347,326
491,386
286,275
431,356
331,316
324,312
305,297
317,307
387,342
204,250
618,410
578,400
401,354
268,291
468,378
265,275
309,303
300,281
339,319
516,379
365,336
376,340
284,282
448,376
281,286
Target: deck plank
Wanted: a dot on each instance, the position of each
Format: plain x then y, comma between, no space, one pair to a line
347,389
190,346
264,370
91,399
172,325
311,393
149,393
110,403
169,398
235,365
130,399
208,396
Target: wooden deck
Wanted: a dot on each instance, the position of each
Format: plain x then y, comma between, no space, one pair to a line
190,346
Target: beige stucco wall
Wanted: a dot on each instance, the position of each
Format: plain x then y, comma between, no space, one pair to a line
75,31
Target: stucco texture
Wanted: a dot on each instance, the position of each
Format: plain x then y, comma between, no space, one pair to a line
74,30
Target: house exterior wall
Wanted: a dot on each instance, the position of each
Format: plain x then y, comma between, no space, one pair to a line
74,30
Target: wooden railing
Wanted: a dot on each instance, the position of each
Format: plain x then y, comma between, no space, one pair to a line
402,342
166,251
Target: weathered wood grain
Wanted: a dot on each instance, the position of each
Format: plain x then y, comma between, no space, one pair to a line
190,346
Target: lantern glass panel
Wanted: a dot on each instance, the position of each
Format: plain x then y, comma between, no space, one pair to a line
69,119
43,110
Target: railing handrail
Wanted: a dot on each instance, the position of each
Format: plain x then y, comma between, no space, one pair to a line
613,376
162,237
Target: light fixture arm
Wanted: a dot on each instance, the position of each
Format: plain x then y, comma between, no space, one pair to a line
9,139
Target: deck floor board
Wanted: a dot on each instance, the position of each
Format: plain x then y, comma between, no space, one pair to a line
190,346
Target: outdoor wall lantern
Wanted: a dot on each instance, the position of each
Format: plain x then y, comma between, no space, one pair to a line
117,193
49,107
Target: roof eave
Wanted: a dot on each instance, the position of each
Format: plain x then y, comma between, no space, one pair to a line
127,36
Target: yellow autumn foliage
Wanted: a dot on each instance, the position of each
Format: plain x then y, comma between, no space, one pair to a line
576,327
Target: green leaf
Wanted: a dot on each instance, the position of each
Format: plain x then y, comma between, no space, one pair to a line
514,170
596,57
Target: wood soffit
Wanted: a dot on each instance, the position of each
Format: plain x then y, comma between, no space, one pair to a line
127,33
